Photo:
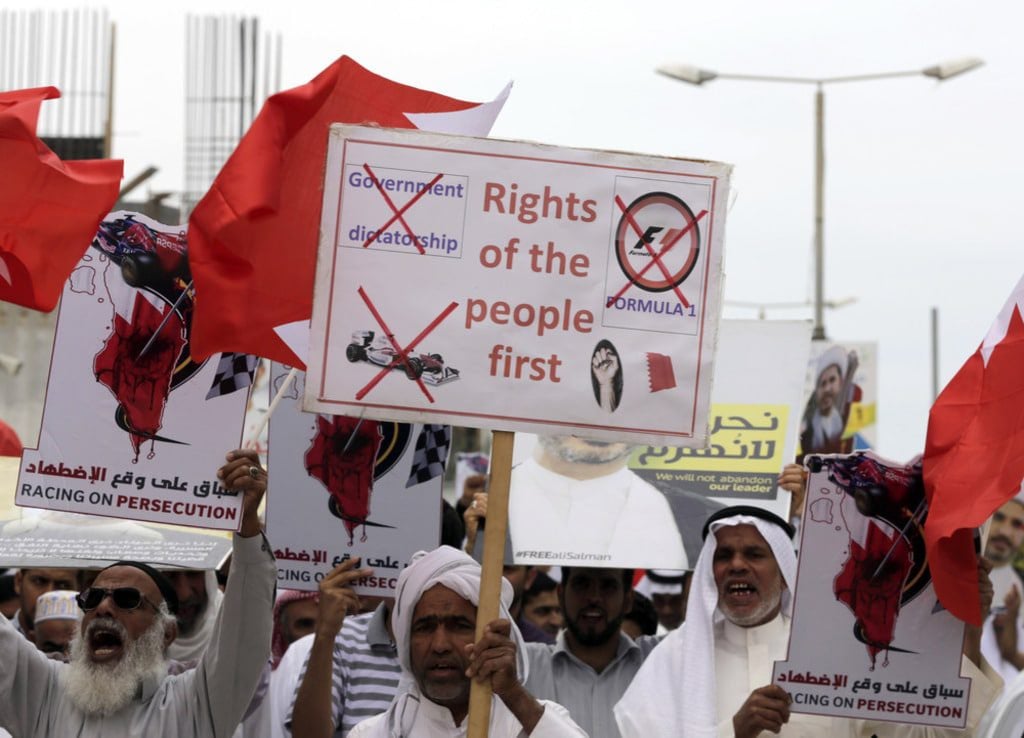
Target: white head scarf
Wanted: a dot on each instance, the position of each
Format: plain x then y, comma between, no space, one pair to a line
661,582
674,699
458,572
191,647
835,355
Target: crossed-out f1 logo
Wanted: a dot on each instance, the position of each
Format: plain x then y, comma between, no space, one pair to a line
657,241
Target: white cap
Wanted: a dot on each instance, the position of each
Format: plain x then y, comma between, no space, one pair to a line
57,605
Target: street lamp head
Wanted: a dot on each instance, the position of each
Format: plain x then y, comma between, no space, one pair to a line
687,73
953,67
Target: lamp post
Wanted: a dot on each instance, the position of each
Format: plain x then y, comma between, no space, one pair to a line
698,76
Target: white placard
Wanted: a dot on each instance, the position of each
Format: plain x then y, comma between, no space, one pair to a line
561,496
516,286
869,638
343,489
128,435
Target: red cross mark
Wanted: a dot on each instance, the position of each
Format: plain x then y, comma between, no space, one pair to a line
398,213
672,237
401,354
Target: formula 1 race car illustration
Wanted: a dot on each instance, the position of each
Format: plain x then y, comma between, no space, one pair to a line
149,257
378,349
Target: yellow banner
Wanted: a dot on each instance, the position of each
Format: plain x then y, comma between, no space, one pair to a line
861,416
744,438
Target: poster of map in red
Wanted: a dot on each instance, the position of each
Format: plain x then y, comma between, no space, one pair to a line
133,427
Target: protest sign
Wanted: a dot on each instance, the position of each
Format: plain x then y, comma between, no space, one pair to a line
131,431
353,487
756,402
869,639
47,538
517,286
840,413
574,500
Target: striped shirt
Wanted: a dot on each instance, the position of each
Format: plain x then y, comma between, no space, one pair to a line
556,674
365,671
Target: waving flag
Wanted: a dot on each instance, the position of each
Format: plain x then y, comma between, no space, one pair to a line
974,455
253,237
49,209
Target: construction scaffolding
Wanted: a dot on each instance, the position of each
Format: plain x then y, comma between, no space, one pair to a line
71,50
229,72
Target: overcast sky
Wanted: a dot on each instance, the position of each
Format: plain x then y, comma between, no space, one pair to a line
922,181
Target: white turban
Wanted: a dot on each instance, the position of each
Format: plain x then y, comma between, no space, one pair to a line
661,582
457,571
673,694
835,355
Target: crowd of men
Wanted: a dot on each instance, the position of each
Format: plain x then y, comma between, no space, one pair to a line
577,651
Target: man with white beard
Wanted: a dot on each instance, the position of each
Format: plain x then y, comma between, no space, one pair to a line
117,682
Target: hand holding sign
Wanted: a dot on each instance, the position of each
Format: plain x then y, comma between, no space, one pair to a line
244,473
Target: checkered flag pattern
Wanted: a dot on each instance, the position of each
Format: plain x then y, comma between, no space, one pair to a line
431,454
234,372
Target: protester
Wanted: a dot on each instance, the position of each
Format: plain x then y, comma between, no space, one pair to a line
117,683
9,600
641,619
199,599
348,670
57,619
522,578
352,670
29,584
1003,634
434,623
519,576
472,485
578,495
541,607
473,516
793,479
709,676
1005,719
593,661
667,591
295,616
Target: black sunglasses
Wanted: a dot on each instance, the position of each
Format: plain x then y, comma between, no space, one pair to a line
124,598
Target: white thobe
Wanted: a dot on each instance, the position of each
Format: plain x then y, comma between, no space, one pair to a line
209,700
427,719
744,658
1003,579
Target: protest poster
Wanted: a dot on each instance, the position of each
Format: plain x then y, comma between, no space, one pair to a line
840,413
48,538
353,487
575,500
132,427
517,286
755,409
869,638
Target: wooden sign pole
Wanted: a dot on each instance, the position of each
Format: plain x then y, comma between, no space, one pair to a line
493,563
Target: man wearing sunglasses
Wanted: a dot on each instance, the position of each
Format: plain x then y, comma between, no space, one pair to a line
117,682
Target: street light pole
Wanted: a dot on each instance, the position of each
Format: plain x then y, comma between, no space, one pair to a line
698,76
819,215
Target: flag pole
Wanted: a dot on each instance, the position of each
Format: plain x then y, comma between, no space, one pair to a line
493,563
167,317
277,400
